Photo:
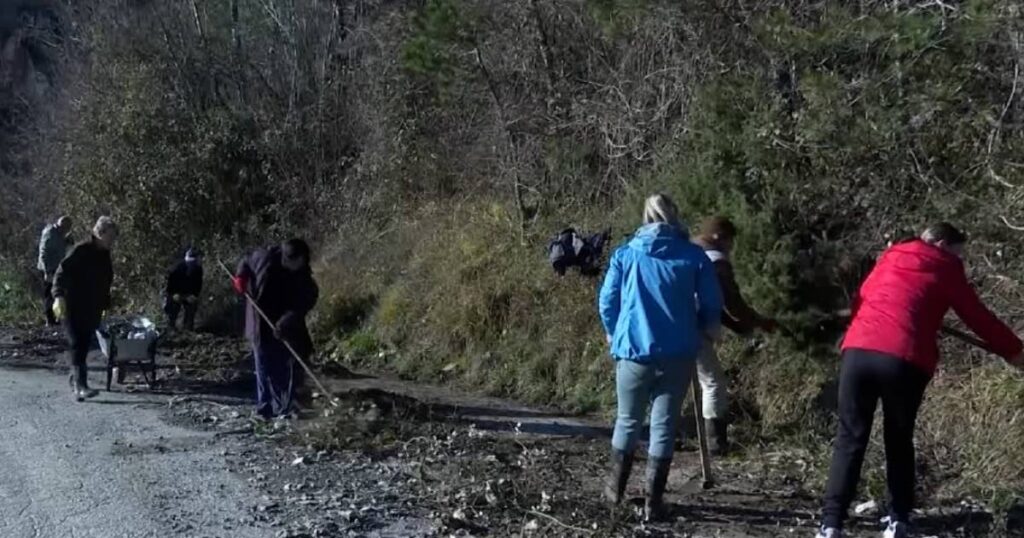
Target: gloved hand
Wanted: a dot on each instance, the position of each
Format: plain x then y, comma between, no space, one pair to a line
239,283
176,298
191,299
59,308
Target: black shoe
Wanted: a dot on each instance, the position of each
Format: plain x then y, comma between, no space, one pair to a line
615,485
718,435
657,477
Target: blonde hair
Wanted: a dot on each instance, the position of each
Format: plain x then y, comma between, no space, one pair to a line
661,209
103,225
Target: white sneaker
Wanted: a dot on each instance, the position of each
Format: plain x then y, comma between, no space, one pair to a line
896,529
830,532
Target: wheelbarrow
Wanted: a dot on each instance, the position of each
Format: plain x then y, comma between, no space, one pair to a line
129,343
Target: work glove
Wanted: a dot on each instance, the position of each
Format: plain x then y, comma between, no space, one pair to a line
176,298
239,283
59,308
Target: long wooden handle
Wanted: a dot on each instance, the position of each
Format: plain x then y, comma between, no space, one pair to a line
702,435
294,353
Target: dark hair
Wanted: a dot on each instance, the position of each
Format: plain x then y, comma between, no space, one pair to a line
295,249
946,232
718,225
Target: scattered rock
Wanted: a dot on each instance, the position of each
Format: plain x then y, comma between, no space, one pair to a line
865,507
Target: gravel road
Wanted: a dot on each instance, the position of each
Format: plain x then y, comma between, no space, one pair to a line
110,468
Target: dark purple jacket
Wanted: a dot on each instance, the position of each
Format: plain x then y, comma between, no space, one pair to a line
285,297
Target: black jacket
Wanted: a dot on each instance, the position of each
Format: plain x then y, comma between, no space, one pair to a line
285,296
185,279
83,280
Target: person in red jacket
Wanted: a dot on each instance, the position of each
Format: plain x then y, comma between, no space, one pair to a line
890,353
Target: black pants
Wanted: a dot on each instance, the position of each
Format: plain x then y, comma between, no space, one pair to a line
48,299
865,379
79,341
172,309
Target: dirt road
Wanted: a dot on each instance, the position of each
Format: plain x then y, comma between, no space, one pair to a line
110,468
394,460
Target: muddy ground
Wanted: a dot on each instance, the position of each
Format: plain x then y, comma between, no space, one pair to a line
401,460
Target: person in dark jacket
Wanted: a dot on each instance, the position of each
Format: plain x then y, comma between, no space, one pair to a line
81,290
53,246
890,353
184,284
280,281
659,303
716,237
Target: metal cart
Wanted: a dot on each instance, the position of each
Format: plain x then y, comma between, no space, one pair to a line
129,343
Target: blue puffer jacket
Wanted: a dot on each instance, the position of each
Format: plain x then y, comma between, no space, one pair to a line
660,296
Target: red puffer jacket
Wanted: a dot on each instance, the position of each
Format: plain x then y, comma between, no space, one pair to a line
900,307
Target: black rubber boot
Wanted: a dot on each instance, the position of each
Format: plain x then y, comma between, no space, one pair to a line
80,381
718,433
657,477
615,486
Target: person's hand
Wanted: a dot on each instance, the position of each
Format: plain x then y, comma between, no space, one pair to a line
1017,361
191,299
608,338
176,298
59,308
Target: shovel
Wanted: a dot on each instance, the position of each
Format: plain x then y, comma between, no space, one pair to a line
707,481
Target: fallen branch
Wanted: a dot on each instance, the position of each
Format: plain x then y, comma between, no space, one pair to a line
1014,227
1006,108
558,522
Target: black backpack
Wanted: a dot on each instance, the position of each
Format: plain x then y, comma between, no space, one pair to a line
568,248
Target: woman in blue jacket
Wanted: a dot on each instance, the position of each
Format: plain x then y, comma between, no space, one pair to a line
660,301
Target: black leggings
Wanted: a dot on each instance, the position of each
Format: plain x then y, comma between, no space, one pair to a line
867,377
79,341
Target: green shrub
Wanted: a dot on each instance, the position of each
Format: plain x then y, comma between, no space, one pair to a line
18,299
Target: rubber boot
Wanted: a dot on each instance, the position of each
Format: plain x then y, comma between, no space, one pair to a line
718,432
615,485
80,380
657,477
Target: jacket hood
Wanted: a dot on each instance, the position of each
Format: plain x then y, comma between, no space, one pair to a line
659,240
916,255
